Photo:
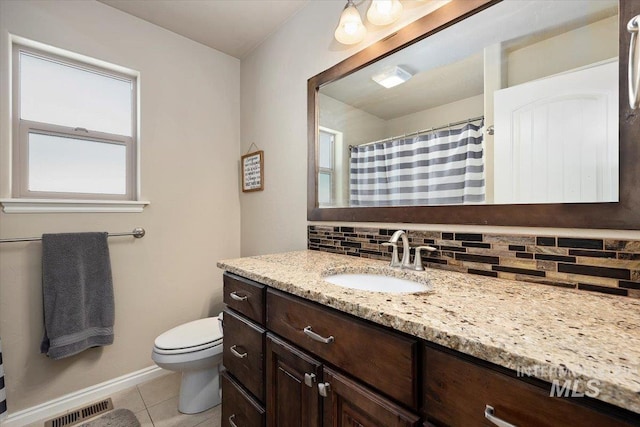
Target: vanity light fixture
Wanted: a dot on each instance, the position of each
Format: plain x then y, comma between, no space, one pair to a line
350,29
384,12
392,77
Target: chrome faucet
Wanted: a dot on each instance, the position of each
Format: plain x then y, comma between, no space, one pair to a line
406,252
393,242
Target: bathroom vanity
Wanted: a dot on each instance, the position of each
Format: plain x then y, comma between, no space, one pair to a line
300,351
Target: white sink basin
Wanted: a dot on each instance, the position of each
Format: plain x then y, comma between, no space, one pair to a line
377,283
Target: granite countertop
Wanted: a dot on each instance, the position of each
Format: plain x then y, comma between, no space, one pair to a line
538,329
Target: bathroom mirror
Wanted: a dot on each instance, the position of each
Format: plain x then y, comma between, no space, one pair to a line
508,115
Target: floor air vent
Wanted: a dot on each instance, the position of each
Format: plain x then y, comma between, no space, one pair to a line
74,417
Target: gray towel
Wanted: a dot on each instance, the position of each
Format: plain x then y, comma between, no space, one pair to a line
77,293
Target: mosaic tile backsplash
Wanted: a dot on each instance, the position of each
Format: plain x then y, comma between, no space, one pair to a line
598,265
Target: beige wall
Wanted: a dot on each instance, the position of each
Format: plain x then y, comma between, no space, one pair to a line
567,51
437,116
274,116
190,121
357,127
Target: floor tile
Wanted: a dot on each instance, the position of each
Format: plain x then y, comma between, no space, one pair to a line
160,389
128,399
215,420
144,418
165,414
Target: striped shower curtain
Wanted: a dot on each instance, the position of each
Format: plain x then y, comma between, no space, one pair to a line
3,398
440,168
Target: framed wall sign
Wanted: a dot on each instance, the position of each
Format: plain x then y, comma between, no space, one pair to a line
253,171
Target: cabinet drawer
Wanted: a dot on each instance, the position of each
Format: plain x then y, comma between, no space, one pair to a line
244,296
457,392
238,407
382,359
243,353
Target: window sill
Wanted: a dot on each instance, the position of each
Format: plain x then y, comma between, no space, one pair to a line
70,206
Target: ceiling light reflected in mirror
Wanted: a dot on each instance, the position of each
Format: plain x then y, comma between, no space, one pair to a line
392,77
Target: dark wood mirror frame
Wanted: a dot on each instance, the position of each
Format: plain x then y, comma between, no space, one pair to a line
624,215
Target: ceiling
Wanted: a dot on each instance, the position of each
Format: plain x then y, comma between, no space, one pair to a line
234,27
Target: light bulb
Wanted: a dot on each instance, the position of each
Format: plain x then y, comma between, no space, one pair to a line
384,12
350,28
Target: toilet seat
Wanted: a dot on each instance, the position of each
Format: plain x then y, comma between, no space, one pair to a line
190,337
187,349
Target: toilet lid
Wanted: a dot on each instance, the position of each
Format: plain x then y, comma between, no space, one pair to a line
192,334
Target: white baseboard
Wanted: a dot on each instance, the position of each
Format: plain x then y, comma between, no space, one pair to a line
80,398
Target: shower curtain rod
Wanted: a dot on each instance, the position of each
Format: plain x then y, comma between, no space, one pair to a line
420,132
137,232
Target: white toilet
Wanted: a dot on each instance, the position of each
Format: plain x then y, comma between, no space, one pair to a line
195,349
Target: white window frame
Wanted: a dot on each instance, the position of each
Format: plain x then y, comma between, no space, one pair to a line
339,170
25,201
329,171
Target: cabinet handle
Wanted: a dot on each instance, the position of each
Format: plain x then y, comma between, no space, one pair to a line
488,414
234,295
309,379
634,74
308,332
236,353
231,423
324,389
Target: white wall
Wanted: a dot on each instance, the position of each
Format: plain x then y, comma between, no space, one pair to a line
273,115
190,121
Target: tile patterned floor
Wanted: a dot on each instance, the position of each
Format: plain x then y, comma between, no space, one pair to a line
155,404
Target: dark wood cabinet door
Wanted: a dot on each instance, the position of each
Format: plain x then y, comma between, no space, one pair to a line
292,393
350,404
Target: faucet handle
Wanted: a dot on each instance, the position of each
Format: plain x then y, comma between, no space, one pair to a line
395,262
418,258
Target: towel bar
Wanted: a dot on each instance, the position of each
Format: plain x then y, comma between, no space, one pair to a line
137,232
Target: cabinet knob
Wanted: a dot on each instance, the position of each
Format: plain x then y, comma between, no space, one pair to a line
309,379
488,414
324,389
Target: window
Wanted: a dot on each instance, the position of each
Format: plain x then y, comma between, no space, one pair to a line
74,129
326,162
